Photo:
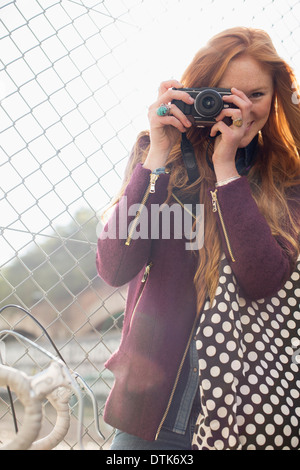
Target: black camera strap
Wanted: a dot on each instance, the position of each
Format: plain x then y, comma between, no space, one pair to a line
189,158
245,157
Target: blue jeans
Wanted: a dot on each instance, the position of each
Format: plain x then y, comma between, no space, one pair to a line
167,440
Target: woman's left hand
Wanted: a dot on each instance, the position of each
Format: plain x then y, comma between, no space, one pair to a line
230,138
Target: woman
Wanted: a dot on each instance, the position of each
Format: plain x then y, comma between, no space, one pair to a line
203,362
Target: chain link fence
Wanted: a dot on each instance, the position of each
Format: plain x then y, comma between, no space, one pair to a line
76,77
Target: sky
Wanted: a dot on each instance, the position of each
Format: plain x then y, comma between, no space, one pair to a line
76,79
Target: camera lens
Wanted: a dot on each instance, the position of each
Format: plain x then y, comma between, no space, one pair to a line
208,103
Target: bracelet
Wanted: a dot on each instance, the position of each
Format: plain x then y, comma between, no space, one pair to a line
223,182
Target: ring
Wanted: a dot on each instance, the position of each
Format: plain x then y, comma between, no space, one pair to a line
237,122
163,110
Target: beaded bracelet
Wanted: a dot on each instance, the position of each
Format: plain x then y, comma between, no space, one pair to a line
223,182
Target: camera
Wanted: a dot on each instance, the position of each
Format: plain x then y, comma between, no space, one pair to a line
207,105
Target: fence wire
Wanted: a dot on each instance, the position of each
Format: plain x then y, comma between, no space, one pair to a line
75,79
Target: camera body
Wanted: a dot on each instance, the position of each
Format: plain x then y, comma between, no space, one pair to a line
207,105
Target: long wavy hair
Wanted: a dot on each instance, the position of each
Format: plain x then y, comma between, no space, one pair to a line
277,166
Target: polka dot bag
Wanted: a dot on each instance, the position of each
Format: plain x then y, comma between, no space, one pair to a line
249,364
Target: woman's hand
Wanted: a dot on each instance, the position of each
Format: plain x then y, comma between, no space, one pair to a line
227,143
165,130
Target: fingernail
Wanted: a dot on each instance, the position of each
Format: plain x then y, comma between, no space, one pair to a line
191,100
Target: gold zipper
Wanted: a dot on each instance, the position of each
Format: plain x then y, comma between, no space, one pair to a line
143,281
183,206
150,189
177,376
217,208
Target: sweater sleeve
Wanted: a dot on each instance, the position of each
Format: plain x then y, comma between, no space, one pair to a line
261,262
124,245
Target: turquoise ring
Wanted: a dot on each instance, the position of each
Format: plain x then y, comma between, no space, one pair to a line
163,110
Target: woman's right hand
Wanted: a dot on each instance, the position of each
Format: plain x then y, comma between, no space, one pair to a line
165,130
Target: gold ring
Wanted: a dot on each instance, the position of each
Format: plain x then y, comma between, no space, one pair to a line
238,122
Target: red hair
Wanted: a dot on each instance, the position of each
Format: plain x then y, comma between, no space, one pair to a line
277,166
